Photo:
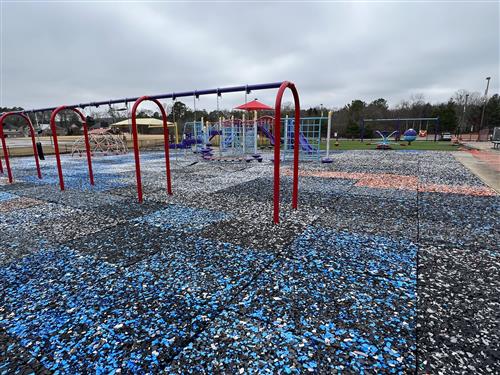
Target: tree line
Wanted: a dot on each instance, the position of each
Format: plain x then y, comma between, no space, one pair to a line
347,120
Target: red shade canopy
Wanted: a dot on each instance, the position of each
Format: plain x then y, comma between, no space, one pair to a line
255,105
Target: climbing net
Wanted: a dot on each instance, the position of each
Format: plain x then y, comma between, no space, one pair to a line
102,142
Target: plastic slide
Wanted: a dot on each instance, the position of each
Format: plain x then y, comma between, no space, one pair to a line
268,134
186,143
304,145
213,133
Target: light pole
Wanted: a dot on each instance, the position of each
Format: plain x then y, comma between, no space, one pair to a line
484,108
462,120
321,109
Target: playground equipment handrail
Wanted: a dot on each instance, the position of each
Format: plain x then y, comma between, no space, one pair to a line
4,146
56,144
136,145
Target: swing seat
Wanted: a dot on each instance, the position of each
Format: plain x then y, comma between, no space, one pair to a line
39,149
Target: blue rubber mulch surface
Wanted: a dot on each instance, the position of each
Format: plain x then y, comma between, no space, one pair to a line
358,280
339,299
368,254
4,196
303,310
119,317
182,218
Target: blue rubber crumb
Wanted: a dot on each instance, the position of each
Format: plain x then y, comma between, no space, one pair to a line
203,282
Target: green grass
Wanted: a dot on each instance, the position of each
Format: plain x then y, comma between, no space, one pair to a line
372,145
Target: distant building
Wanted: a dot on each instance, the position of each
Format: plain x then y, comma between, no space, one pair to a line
144,125
15,132
46,131
75,129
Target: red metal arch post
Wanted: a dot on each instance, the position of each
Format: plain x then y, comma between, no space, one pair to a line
136,145
4,146
277,148
56,144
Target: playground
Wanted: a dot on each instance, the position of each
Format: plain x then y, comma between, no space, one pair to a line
203,281
222,256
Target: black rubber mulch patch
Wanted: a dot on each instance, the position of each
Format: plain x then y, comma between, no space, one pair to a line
458,310
15,359
372,215
70,197
125,243
255,234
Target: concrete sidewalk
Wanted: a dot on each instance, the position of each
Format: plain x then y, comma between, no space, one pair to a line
483,146
484,164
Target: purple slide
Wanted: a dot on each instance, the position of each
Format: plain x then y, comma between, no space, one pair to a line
305,145
267,133
213,133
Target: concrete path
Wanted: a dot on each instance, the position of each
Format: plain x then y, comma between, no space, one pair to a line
485,146
484,164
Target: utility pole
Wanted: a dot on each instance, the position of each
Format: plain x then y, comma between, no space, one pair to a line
462,120
484,107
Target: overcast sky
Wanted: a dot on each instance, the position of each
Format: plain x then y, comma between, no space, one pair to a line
65,53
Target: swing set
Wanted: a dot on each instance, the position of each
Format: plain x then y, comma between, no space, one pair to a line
4,145
281,86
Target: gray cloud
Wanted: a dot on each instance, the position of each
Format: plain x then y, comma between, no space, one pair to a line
56,53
